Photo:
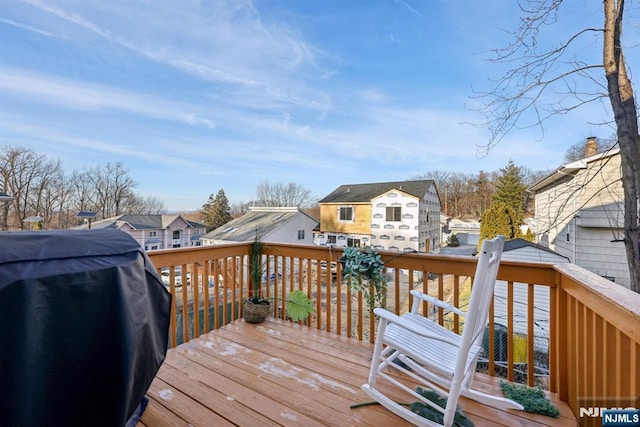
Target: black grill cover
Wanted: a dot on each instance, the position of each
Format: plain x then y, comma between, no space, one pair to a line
84,322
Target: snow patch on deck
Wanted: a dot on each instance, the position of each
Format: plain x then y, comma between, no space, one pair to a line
165,394
192,353
288,416
270,331
280,368
233,349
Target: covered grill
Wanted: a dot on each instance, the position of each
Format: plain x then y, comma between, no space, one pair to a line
84,321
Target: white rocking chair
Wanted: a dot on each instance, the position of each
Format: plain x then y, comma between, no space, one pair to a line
432,355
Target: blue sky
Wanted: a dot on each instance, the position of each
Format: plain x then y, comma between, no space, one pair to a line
198,95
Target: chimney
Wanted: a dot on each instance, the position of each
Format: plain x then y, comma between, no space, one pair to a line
591,148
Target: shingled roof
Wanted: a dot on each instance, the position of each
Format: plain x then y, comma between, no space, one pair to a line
260,220
142,222
355,193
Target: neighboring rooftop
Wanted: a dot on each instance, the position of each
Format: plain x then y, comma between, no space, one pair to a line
366,192
142,222
570,168
261,220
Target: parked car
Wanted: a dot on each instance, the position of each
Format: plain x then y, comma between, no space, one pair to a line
165,274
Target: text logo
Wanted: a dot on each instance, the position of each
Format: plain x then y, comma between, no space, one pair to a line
629,417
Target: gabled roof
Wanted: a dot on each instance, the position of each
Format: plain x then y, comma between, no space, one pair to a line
570,169
142,222
260,220
519,243
355,193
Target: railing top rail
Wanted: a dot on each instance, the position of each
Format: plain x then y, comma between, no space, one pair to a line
175,256
538,273
616,304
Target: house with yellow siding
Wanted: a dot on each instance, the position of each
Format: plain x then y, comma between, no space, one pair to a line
398,216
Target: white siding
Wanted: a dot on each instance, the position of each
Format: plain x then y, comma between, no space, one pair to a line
580,215
420,222
599,254
395,235
288,232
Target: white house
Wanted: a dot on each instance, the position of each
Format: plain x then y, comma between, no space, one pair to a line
398,216
270,224
467,230
579,214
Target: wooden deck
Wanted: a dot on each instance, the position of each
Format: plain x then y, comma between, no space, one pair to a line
280,373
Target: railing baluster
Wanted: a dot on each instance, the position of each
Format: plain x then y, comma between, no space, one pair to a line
491,342
510,373
530,336
456,303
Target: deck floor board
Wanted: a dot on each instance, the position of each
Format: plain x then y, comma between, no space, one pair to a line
280,373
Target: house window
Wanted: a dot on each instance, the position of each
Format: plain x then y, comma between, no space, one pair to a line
331,239
153,234
346,213
300,234
176,234
394,213
353,242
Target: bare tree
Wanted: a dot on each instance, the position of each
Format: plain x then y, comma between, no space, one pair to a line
26,176
107,190
547,82
279,194
579,150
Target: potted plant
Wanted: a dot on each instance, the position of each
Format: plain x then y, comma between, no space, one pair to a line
363,268
257,307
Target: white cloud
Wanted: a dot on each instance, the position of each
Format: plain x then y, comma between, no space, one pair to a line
30,28
221,41
85,96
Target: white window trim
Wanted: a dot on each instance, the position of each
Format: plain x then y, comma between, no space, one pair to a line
353,214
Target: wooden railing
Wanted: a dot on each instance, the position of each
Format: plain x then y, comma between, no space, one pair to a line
559,326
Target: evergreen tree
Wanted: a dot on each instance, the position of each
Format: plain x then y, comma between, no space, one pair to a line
216,211
207,213
453,240
511,189
499,219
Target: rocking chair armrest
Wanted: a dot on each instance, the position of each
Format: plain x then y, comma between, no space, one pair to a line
390,317
437,302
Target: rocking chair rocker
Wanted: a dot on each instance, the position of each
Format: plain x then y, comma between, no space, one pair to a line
432,355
